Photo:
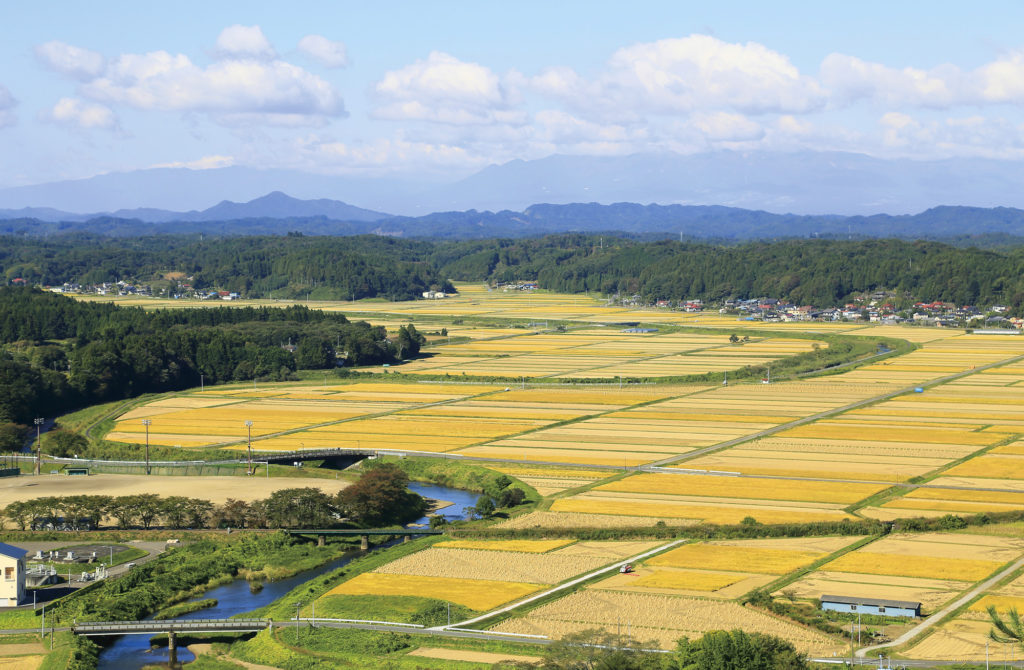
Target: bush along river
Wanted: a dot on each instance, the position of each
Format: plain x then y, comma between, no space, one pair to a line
132,652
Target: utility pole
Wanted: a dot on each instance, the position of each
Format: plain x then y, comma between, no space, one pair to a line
202,384
39,444
248,428
298,607
146,422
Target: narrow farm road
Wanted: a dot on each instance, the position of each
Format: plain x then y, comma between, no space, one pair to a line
563,587
938,616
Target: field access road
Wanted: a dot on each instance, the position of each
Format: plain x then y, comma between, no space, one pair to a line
828,413
938,616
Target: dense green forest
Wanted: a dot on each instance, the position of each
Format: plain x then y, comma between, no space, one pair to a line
324,268
816,272
60,353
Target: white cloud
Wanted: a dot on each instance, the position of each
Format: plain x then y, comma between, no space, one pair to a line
70,60
851,79
204,163
324,51
7,105
161,81
79,114
974,135
687,74
444,89
726,127
239,41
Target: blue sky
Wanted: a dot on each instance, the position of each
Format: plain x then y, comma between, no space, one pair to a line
444,89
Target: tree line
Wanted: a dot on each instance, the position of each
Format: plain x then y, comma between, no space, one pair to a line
379,498
820,272
60,353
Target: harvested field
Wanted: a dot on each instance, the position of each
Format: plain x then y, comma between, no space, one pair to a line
524,546
21,662
664,619
722,513
703,583
214,489
960,569
735,487
469,656
931,593
476,594
608,551
956,639
740,559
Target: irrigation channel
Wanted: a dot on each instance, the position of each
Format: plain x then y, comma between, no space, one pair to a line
132,652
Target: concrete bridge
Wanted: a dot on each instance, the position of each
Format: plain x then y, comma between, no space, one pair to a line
172,627
322,533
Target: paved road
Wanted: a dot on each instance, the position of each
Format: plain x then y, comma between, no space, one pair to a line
938,616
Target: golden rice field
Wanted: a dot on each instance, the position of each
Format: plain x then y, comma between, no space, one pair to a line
709,512
944,556
476,594
686,580
548,519
697,417
660,618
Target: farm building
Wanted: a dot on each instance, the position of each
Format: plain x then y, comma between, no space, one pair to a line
12,587
871,606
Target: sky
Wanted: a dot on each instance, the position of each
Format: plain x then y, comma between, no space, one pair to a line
440,90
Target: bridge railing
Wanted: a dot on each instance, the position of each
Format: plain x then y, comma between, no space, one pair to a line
168,625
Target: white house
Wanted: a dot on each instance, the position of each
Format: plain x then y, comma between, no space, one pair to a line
12,586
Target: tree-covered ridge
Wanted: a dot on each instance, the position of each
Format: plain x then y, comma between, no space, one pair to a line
805,271
325,268
72,353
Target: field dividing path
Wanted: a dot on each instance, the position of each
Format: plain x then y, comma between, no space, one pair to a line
941,614
828,413
563,587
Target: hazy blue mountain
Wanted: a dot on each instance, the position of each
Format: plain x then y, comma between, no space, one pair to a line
798,183
274,205
185,190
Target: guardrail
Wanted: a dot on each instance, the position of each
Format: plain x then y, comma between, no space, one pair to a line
169,626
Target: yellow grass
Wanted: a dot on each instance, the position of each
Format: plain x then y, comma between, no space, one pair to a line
961,569
526,546
736,487
740,559
688,580
476,594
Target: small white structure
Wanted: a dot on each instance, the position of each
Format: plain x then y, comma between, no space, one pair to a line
12,585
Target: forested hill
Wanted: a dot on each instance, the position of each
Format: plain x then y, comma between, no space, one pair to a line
815,272
690,221
812,272
324,268
57,353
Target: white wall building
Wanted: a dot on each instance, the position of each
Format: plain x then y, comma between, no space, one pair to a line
12,584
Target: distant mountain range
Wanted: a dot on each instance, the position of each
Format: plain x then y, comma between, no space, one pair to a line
275,205
804,182
277,214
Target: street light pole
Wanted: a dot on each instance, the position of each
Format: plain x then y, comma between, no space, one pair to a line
39,444
146,422
248,428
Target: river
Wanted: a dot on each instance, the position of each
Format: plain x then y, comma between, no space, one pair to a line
131,652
